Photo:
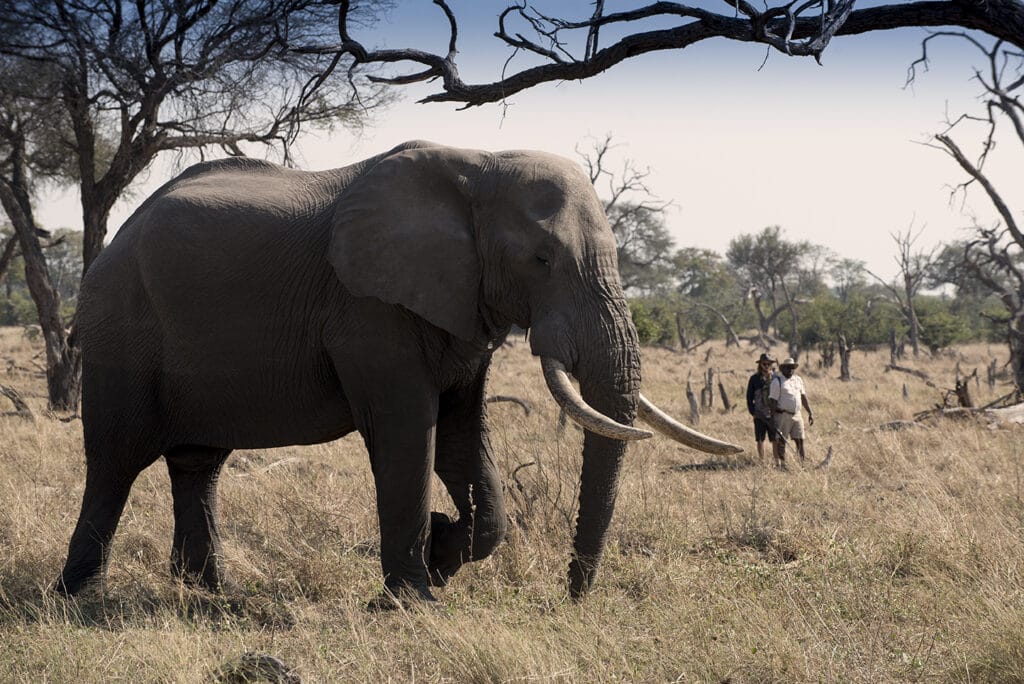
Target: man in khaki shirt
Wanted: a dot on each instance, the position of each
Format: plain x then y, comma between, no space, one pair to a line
786,395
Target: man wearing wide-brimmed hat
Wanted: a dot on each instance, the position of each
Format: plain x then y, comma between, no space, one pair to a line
786,395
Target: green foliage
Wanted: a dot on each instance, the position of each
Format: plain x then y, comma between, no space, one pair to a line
17,308
654,319
863,319
64,260
702,273
941,326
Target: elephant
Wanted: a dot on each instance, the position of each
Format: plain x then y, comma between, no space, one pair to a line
247,305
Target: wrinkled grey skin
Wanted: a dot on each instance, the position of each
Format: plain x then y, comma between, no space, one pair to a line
245,305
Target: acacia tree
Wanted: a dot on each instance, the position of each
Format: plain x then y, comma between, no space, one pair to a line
712,296
777,273
995,255
564,49
27,141
126,81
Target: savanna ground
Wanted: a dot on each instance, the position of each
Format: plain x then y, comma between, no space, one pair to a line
901,561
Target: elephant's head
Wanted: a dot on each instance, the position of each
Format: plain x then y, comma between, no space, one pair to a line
473,242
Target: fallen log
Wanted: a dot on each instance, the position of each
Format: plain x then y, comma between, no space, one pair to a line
21,409
911,371
994,418
523,404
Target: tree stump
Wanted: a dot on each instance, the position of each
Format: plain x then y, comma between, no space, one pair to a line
725,397
694,408
963,393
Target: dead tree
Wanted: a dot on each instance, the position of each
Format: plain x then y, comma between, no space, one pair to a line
684,341
913,270
726,404
707,392
995,256
895,350
731,338
963,393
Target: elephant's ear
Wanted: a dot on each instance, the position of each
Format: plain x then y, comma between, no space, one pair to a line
403,233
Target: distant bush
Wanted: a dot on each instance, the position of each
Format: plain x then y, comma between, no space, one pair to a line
655,321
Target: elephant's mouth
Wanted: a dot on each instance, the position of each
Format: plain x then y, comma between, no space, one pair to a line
587,417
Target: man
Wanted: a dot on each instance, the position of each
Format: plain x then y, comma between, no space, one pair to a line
757,403
786,395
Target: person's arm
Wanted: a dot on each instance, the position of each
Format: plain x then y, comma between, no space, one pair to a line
774,390
807,407
750,394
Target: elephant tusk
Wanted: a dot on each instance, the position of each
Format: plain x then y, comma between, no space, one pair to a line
582,413
665,424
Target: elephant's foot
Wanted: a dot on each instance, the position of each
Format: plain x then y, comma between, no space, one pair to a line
404,596
208,574
450,544
69,584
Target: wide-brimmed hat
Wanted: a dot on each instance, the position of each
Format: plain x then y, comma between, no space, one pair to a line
788,361
766,357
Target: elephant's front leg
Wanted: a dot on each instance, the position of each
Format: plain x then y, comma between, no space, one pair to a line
465,463
399,431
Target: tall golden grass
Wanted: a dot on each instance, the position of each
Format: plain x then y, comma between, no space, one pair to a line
902,561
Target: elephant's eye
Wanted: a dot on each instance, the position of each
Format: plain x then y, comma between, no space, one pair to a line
544,261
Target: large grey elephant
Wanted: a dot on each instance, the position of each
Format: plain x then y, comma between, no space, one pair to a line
245,305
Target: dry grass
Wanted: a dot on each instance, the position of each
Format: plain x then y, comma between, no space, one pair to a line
903,561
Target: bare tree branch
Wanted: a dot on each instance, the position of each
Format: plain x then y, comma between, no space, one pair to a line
793,29
995,256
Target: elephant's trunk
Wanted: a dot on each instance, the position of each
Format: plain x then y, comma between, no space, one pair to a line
609,375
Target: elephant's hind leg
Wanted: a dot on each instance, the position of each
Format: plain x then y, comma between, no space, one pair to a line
106,492
196,555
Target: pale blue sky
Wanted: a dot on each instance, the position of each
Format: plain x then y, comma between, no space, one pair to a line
829,152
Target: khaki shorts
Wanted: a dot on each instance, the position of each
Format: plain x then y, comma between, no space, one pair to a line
789,426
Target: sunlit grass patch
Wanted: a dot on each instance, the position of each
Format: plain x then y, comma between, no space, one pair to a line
900,561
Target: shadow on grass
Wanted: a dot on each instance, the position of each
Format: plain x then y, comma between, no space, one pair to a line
23,601
711,466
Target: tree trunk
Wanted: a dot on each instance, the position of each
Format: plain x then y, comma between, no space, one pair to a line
963,394
828,354
794,324
1016,343
725,397
709,386
915,330
844,359
7,256
694,408
681,331
63,362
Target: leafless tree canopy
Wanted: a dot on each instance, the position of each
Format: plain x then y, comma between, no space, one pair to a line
995,255
570,48
914,265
